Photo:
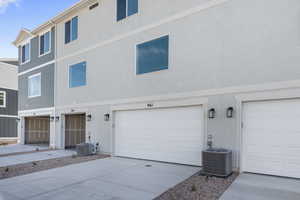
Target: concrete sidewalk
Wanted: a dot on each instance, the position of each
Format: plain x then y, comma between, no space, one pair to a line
19,148
260,187
30,157
105,179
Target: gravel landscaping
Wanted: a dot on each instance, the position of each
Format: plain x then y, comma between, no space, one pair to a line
199,188
27,168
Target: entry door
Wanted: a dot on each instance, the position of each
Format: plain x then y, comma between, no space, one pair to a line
37,130
271,138
74,130
171,135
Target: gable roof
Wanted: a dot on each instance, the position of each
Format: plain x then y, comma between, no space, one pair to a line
58,18
23,35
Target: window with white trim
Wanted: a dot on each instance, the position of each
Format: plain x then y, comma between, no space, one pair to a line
34,85
126,8
2,99
25,53
45,43
77,75
71,30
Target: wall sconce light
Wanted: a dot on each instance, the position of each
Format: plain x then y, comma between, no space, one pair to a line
89,117
18,120
229,112
72,110
106,117
212,113
52,118
57,118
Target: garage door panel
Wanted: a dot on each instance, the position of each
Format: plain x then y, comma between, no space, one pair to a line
271,137
170,135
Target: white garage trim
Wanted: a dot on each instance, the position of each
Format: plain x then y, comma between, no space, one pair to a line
253,97
161,105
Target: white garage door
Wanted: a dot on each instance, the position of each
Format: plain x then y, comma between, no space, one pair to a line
169,135
271,138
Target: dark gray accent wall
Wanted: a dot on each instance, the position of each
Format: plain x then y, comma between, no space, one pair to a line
47,89
8,127
11,102
35,59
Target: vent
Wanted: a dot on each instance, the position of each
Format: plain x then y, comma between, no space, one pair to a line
94,6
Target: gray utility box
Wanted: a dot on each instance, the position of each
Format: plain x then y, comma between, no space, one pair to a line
217,162
85,149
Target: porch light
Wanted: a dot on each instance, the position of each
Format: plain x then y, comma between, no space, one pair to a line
18,120
229,112
89,117
52,118
57,118
106,117
212,113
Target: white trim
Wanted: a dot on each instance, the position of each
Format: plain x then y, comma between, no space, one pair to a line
4,99
37,67
50,43
36,112
201,93
178,16
27,61
71,23
9,116
40,85
8,138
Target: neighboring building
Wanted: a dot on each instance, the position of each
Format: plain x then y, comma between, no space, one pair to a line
8,99
157,79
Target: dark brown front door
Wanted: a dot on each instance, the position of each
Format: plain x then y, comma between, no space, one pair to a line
74,130
37,130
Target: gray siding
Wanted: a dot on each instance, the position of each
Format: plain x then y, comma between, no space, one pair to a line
47,90
35,60
11,102
8,127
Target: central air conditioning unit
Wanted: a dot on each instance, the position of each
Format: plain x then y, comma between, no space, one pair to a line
87,149
217,162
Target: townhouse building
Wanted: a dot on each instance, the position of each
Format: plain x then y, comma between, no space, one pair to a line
159,79
8,99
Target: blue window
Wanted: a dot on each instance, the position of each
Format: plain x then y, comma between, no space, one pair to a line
153,55
25,52
71,30
45,43
77,75
126,8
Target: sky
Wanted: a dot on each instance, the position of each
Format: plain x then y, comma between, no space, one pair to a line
29,14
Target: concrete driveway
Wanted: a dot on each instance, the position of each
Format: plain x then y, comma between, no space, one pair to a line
260,187
106,179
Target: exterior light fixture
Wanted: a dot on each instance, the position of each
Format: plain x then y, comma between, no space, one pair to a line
18,120
229,112
89,117
212,113
57,118
106,117
52,118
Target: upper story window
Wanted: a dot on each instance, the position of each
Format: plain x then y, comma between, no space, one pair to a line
34,85
2,99
152,56
77,75
71,30
25,53
45,43
126,8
